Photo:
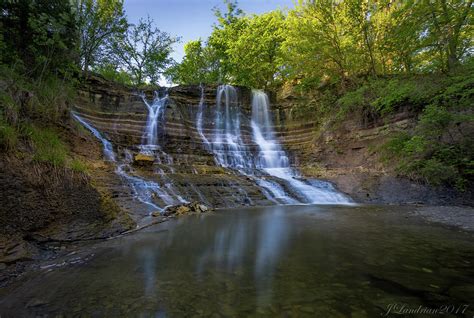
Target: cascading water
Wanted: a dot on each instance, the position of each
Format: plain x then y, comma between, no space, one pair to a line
150,146
156,111
254,153
145,191
269,167
227,144
207,145
274,161
108,149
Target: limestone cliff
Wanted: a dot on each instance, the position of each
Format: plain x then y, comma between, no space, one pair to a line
343,153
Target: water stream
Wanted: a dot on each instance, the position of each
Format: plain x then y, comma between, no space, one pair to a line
278,261
146,191
273,160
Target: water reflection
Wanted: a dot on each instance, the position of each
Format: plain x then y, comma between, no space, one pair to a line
279,261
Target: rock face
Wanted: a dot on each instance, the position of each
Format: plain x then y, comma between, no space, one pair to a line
182,160
342,155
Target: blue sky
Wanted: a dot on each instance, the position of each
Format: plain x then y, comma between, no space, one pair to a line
191,19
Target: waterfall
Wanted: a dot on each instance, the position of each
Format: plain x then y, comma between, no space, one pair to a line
274,161
227,145
199,120
156,111
269,167
248,146
108,149
145,191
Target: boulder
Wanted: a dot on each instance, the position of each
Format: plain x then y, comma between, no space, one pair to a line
142,159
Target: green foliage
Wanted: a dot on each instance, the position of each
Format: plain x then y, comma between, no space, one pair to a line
332,40
198,65
47,145
143,51
256,54
99,22
437,152
243,50
45,99
383,96
38,36
112,73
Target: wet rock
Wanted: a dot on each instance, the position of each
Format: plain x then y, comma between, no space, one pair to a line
142,159
156,213
182,210
193,207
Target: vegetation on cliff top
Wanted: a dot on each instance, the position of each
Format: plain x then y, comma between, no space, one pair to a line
328,41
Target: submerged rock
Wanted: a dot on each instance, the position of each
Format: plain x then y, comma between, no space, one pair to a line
188,208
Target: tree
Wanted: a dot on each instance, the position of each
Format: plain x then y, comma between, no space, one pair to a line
255,55
98,21
225,31
241,50
198,65
449,29
38,35
317,45
144,51
402,37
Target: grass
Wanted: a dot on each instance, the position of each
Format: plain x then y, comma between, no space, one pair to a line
78,166
47,145
8,136
30,112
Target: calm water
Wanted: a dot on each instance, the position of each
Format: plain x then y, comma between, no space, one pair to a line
305,261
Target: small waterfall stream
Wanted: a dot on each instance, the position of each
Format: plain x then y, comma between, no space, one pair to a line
109,153
156,112
146,191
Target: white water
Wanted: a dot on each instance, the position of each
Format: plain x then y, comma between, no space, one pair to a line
206,142
156,111
227,145
274,161
270,166
145,191
108,149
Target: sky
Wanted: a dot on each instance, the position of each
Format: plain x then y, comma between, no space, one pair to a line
191,19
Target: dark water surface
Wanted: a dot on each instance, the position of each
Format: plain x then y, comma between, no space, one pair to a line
304,261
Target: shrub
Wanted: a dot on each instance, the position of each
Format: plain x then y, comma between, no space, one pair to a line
427,155
391,95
